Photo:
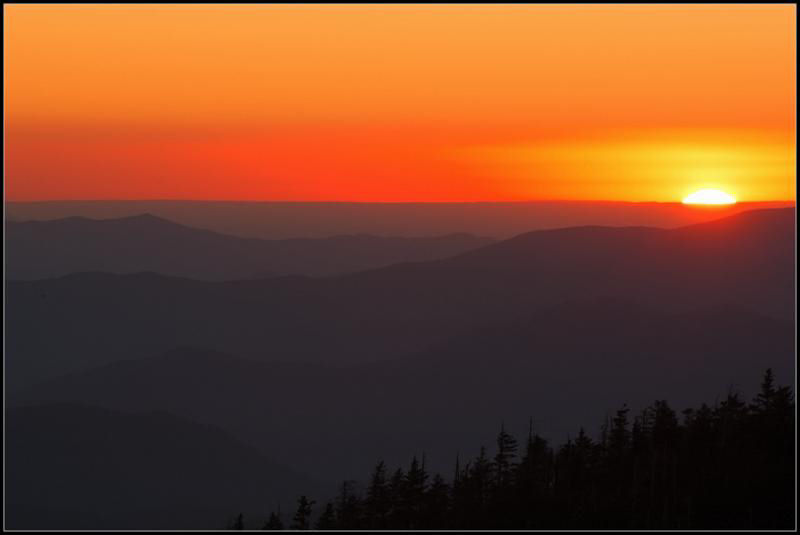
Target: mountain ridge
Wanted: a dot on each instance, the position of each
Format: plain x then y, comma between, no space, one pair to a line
145,242
393,311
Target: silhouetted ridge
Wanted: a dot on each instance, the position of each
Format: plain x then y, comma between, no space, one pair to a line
281,220
756,222
145,242
389,312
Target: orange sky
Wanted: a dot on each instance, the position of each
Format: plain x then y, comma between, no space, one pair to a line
399,103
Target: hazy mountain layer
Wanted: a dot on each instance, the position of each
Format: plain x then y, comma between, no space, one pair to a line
59,325
44,249
279,220
564,367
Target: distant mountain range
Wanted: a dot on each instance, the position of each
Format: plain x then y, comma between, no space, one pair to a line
145,243
77,467
328,375
281,220
65,324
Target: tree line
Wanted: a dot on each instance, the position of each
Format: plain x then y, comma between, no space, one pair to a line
729,466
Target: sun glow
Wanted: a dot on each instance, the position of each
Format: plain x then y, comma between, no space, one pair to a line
546,103
709,196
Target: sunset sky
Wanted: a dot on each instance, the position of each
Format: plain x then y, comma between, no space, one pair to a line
399,103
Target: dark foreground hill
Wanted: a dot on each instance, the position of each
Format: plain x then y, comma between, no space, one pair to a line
59,325
565,367
80,467
43,249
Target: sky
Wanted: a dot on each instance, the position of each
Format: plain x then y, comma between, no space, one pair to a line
399,103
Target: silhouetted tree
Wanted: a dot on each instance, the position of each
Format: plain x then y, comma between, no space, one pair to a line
722,467
327,520
301,517
436,502
238,524
273,522
348,506
415,486
506,452
763,401
532,483
377,502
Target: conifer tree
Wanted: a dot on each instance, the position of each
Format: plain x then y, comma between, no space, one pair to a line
348,507
274,522
503,459
726,467
764,399
377,502
327,520
397,486
301,517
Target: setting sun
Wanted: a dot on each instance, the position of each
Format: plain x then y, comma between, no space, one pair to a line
709,196
340,103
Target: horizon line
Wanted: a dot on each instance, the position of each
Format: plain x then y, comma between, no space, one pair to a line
529,201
